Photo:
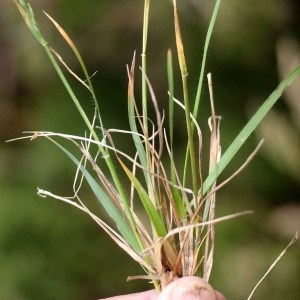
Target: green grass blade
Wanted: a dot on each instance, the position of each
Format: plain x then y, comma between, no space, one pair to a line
153,214
204,59
249,128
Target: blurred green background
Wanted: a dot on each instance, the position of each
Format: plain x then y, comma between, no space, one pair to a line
50,251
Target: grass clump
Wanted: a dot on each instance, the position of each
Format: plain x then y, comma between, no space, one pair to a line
177,237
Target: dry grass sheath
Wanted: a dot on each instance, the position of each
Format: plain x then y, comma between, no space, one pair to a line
180,239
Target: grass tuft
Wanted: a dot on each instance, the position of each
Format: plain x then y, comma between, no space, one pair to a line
180,240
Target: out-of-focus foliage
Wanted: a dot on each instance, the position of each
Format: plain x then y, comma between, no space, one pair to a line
48,250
